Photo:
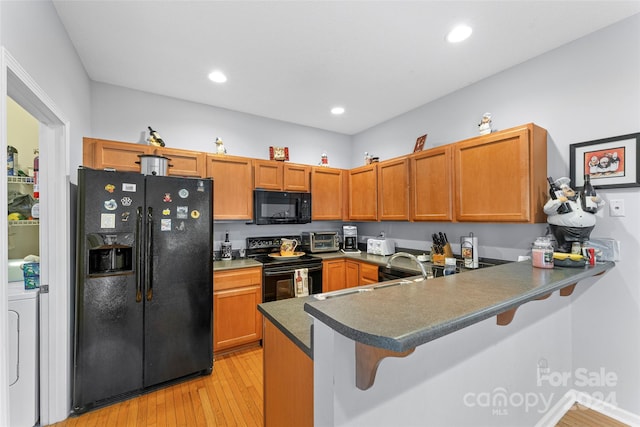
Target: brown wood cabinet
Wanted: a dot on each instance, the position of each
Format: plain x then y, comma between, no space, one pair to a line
327,193
363,193
393,190
431,181
333,275
124,156
232,186
281,176
236,295
368,273
360,273
501,177
352,272
288,381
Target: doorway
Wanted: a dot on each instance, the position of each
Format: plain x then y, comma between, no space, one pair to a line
54,242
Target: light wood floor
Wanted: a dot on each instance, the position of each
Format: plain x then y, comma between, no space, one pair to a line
581,416
230,396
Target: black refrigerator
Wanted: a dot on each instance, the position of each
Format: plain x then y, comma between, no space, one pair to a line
144,284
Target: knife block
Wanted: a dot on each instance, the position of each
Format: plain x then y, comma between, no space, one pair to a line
438,259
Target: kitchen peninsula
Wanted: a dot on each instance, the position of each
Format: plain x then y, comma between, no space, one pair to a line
439,329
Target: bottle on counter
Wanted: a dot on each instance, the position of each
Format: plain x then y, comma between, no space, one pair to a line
588,196
225,248
542,253
555,192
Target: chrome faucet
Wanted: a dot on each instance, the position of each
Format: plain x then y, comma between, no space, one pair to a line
407,255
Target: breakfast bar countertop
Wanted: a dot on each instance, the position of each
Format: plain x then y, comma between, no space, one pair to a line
399,318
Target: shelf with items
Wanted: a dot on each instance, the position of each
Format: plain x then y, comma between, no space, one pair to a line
23,222
20,180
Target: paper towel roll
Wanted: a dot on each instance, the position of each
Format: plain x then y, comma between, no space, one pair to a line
469,251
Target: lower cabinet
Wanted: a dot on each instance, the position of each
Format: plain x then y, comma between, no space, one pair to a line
333,277
288,381
236,319
368,273
352,271
347,273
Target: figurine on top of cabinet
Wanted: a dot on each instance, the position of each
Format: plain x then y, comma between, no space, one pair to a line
154,138
485,124
568,221
220,147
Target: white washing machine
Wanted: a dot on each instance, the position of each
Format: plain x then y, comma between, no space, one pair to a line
23,355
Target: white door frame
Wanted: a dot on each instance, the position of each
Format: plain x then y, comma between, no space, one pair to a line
55,306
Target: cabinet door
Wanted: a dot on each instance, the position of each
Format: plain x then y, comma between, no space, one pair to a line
121,156
184,162
296,177
327,193
363,197
268,174
393,190
368,273
352,273
431,184
333,275
236,296
232,187
500,177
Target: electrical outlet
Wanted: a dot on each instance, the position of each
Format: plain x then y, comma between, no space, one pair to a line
616,207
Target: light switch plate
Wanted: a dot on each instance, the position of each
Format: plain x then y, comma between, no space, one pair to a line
616,207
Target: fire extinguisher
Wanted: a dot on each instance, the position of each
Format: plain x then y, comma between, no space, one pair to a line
36,167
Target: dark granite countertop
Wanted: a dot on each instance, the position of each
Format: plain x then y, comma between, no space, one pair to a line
402,317
236,263
288,316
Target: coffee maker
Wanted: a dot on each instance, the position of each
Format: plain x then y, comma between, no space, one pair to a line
350,233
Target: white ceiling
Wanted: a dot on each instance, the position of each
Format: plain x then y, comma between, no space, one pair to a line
294,60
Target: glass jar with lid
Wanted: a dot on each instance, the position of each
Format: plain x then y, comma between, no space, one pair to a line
542,253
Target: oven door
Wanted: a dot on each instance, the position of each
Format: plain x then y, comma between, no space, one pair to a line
278,283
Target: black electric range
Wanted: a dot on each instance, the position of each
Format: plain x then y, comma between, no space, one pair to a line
281,276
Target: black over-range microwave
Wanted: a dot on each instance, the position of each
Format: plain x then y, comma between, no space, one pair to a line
281,207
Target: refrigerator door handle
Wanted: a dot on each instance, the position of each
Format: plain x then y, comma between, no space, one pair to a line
147,267
138,255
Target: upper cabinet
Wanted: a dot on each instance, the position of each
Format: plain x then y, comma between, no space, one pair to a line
393,190
431,185
124,156
121,156
456,182
363,194
232,186
501,177
281,176
327,193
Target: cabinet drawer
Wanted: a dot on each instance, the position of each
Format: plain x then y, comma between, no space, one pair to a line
368,273
229,279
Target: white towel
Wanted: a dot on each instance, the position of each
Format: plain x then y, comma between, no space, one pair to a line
301,282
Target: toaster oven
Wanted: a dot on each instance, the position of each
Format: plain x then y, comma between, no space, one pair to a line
320,241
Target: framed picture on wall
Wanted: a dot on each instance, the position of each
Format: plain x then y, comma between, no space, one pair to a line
610,162
420,143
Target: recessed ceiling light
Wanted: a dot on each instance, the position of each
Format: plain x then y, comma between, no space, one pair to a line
459,33
217,76
337,111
